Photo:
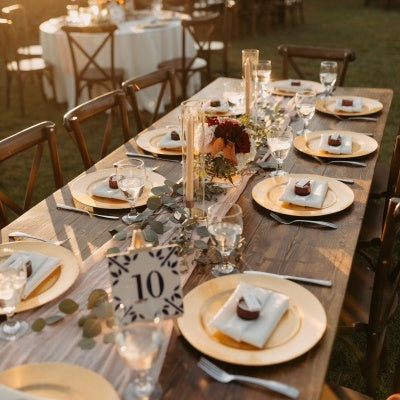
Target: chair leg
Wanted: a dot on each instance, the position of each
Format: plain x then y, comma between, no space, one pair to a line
8,88
21,94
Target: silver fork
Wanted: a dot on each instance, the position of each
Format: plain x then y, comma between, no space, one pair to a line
307,221
351,162
372,119
21,235
222,376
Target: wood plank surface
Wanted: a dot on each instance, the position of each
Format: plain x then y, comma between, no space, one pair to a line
294,249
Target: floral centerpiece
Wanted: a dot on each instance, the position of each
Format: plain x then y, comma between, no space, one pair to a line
228,146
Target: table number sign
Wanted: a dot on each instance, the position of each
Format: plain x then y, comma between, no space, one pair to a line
145,282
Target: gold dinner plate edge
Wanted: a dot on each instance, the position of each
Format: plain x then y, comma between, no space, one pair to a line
143,140
376,106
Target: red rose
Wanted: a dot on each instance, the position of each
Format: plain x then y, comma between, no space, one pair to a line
212,121
228,131
242,143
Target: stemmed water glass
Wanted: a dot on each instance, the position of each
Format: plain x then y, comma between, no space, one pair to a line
279,142
139,343
305,107
131,179
12,284
328,75
225,230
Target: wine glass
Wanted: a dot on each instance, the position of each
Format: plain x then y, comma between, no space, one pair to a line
12,284
279,142
263,70
328,75
305,107
131,179
225,230
139,343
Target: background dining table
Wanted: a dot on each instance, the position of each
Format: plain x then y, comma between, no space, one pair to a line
286,249
140,45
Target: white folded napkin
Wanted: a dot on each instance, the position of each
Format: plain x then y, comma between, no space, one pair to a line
356,107
223,108
286,86
314,199
103,190
167,143
7,393
42,267
346,146
257,331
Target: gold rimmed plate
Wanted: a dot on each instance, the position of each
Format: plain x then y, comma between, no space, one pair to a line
267,193
309,144
149,141
327,106
301,327
283,87
58,381
81,190
57,283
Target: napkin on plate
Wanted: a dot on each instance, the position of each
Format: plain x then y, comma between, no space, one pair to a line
7,393
286,86
103,190
167,143
257,331
356,107
314,199
223,108
42,267
346,146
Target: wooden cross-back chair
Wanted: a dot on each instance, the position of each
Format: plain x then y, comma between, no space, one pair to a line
21,68
17,14
292,53
35,137
87,67
165,78
372,295
201,29
109,105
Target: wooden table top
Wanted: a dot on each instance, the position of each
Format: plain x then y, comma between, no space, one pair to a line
294,249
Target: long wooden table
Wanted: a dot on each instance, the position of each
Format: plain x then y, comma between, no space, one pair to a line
296,250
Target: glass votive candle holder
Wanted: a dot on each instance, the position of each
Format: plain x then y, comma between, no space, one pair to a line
85,16
73,12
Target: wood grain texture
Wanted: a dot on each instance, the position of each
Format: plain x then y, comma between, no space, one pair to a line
294,249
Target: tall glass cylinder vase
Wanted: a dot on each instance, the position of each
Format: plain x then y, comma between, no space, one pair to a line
249,62
193,173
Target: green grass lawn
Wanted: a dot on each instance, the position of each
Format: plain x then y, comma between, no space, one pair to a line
371,32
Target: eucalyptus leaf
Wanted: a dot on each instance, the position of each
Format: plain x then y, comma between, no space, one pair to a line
38,325
87,344
266,165
199,244
159,190
113,250
91,328
202,231
54,319
150,235
97,296
169,183
120,235
68,306
103,310
168,200
154,202
109,338
84,318
157,227
110,323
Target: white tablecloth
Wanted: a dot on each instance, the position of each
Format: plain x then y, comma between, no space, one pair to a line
138,51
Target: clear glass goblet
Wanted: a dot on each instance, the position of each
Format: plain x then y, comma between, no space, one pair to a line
225,230
131,179
305,107
139,344
279,142
12,284
328,75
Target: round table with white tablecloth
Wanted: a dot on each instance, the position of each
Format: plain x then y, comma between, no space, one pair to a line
140,45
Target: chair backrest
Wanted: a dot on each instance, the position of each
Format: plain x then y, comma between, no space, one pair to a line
164,78
105,106
35,137
394,172
17,14
85,56
8,41
292,53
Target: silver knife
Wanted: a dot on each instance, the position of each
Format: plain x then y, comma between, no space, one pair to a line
70,208
292,278
140,155
345,180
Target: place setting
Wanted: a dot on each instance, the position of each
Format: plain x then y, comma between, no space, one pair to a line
289,87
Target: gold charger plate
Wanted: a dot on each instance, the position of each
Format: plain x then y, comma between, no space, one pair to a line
267,193
149,141
57,282
309,144
81,190
316,86
369,106
58,381
298,331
